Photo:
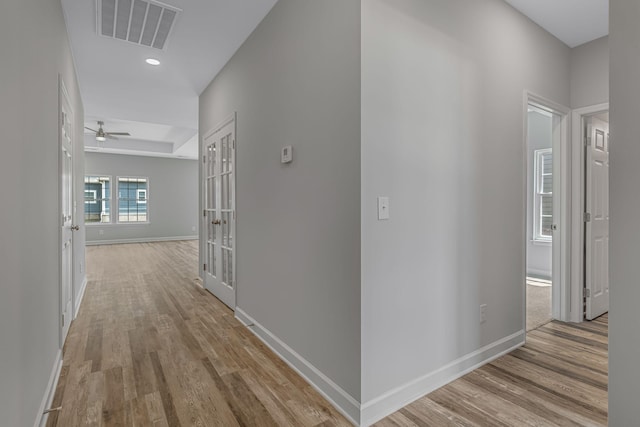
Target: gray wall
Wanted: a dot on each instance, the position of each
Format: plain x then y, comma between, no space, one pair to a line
35,50
590,73
538,253
296,81
442,136
624,335
173,197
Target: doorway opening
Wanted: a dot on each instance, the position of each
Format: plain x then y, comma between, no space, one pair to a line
546,152
540,176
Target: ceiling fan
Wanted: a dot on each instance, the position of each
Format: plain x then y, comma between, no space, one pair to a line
102,136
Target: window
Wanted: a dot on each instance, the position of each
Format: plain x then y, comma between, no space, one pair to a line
97,199
141,195
133,195
543,203
90,197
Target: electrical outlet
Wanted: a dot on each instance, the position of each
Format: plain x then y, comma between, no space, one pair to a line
193,228
101,232
483,313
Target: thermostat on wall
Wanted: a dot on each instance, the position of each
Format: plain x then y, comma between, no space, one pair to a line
287,154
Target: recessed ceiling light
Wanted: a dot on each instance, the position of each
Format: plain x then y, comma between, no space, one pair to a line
152,61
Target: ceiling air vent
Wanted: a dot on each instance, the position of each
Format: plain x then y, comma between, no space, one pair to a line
143,22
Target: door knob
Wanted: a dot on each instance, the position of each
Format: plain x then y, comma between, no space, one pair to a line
75,227
215,222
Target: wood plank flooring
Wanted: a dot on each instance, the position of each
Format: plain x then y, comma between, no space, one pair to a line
559,378
152,348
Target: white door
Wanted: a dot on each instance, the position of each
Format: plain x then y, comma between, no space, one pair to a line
597,220
219,214
66,218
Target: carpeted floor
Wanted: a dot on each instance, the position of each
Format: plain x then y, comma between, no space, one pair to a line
538,303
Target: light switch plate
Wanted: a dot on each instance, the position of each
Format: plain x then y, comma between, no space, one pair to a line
287,154
383,208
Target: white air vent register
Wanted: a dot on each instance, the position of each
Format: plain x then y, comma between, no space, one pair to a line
143,22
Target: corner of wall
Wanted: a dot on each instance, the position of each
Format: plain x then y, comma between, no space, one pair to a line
340,399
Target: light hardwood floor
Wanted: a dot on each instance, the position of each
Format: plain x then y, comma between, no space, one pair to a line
151,348
559,378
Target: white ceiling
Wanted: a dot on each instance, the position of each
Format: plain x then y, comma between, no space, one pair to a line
574,22
156,104
159,105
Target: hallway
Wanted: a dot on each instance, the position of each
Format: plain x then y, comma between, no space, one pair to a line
150,347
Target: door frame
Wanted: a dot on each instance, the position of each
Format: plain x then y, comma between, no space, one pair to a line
577,205
202,208
63,98
561,296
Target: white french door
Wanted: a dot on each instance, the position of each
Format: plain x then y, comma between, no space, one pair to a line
597,221
219,212
66,217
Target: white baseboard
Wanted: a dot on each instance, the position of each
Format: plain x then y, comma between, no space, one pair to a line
388,403
340,399
78,301
538,273
139,240
50,392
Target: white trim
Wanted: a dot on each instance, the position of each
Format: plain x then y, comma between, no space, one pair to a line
577,208
83,287
539,273
125,152
230,118
47,399
376,409
346,404
139,240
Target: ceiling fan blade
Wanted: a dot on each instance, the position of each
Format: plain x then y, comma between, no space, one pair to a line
119,133
92,130
110,136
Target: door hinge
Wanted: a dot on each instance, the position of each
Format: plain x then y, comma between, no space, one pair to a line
63,320
205,267
587,217
587,141
204,212
204,159
234,144
587,293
